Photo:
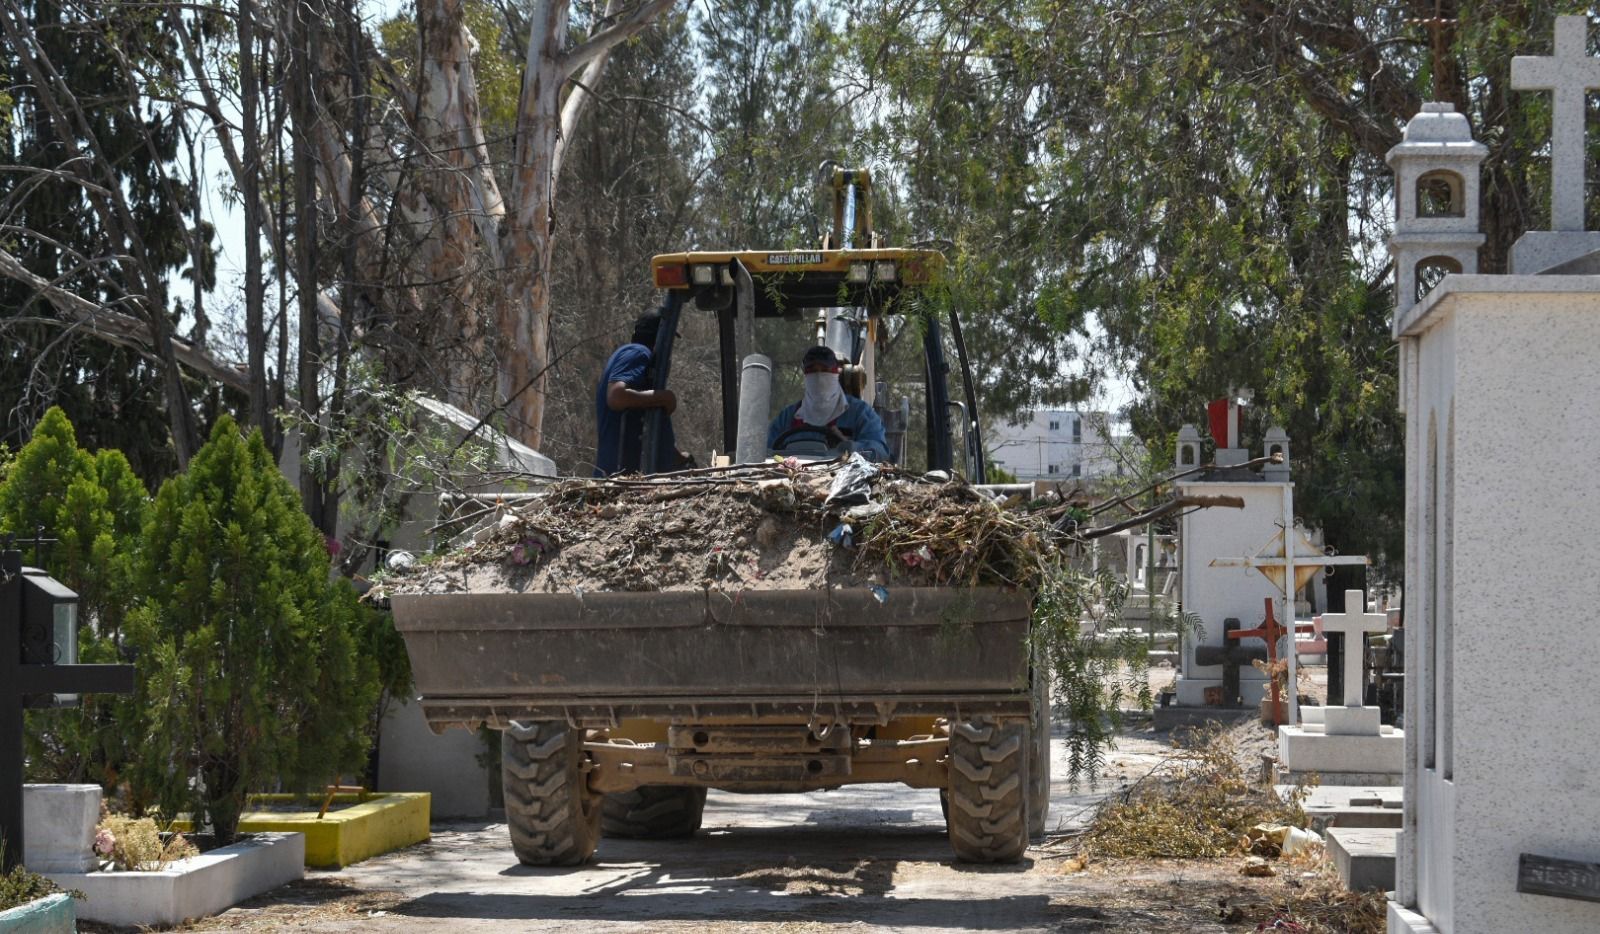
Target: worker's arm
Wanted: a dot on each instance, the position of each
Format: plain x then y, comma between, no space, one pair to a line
867,435
781,423
620,398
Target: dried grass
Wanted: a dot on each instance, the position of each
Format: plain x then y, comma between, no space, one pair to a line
134,844
1200,802
1314,900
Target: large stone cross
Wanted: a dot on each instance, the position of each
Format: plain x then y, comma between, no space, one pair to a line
1354,624
1570,73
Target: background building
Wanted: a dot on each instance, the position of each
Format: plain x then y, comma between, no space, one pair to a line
1062,444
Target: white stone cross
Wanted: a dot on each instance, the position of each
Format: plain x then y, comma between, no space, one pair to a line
1354,624
1570,73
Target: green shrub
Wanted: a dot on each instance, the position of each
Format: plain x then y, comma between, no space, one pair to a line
19,887
95,508
250,668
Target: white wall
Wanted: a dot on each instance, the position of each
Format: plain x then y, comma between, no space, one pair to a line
1214,593
412,757
1502,410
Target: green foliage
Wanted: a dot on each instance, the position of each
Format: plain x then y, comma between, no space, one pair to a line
35,493
95,507
1094,671
250,664
116,59
1000,475
1196,193
19,887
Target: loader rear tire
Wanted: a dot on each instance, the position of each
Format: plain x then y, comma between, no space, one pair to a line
653,812
988,790
554,818
1039,755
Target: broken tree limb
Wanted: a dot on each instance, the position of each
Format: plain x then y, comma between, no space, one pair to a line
1121,500
118,328
1165,509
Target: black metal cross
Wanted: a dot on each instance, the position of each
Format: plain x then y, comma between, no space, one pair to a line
29,677
1230,656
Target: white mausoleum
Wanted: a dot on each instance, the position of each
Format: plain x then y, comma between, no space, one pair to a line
1500,384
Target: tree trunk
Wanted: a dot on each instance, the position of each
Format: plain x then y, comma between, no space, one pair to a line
304,29
250,191
523,319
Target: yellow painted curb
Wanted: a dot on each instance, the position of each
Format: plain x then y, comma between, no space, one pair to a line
384,821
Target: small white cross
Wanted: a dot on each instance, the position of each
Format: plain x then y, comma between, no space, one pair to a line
1570,73
1354,624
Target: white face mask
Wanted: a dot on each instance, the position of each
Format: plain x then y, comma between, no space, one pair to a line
824,399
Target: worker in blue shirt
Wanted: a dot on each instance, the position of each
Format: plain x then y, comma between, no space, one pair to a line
825,405
624,396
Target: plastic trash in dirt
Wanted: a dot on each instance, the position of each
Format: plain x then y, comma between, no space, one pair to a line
852,485
1273,839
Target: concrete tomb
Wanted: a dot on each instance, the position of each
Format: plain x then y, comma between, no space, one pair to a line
1217,593
1501,827
58,824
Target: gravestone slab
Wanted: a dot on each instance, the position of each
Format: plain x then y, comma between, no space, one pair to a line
1349,805
1351,721
58,824
1307,749
1350,744
1364,856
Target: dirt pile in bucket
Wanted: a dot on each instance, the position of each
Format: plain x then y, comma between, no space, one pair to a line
772,526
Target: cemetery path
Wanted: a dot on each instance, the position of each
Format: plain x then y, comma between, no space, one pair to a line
865,858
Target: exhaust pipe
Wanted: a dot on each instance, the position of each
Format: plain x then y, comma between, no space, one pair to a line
755,399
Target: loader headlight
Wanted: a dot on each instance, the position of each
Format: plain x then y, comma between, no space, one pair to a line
703,274
859,274
883,270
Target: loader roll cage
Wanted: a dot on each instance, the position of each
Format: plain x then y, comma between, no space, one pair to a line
742,286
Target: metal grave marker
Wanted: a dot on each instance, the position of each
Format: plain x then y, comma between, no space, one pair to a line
38,628
1558,878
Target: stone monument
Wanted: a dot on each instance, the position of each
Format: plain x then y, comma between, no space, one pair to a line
1501,827
1344,743
1213,594
1216,583
1569,74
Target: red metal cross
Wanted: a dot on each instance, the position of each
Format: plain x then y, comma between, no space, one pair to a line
1269,632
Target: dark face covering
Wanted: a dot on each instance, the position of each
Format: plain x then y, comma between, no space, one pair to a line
645,330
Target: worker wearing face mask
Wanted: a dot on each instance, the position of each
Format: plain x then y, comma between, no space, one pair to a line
825,406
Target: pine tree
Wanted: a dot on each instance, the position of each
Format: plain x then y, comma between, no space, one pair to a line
250,667
95,508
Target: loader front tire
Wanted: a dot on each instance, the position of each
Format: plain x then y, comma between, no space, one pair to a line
653,812
553,816
988,790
